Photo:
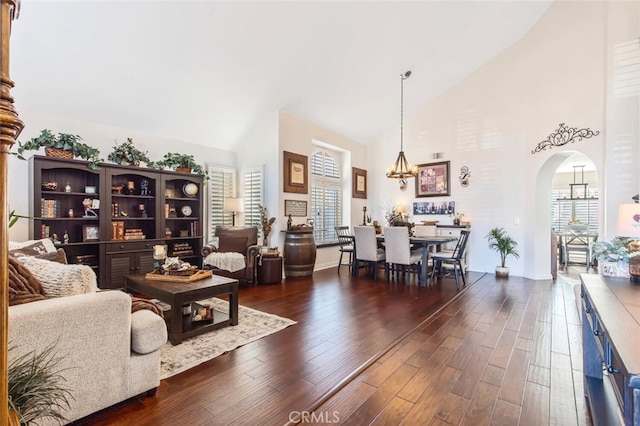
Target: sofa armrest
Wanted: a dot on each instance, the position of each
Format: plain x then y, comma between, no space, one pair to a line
148,332
207,250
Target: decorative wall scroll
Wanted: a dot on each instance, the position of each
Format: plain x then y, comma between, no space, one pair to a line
564,135
295,208
465,176
295,173
359,183
426,207
432,180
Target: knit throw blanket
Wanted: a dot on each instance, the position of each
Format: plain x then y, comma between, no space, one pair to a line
229,261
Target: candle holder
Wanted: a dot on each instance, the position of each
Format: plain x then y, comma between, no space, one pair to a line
159,256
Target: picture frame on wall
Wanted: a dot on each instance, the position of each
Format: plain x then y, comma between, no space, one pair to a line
433,180
359,183
295,173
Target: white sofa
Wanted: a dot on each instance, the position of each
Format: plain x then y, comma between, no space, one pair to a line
108,354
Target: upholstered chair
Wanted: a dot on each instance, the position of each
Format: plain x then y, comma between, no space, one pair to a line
399,256
222,256
367,250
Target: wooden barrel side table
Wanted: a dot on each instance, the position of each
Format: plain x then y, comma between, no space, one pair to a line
270,270
299,253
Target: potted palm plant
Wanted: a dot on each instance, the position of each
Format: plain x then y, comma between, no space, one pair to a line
126,154
182,163
505,245
62,145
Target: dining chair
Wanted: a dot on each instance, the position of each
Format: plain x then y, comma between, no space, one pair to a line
345,238
451,261
400,259
366,249
578,242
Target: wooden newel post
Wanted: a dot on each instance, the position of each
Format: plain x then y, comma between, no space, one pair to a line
10,128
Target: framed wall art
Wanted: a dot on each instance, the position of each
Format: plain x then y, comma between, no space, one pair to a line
433,180
295,173
295,208
359,183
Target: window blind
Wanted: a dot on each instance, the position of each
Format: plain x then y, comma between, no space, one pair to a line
220,187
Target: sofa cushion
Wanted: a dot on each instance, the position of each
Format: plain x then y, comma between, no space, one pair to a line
232,244
61,280
148,332
23,286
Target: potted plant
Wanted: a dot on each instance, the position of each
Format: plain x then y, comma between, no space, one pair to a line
182,163
36,387
505,245
128,155
62,145
265,223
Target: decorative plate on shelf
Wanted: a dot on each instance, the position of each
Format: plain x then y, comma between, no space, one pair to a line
186,210
190,189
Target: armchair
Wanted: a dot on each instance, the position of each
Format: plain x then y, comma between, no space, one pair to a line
242,240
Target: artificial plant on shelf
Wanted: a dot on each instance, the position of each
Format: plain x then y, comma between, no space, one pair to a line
184,163
126,154
265,223
64,142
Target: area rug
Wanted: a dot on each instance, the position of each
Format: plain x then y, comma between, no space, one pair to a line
252,325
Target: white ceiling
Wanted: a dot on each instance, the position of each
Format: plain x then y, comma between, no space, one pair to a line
204,71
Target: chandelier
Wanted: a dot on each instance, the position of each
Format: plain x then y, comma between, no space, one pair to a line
402,169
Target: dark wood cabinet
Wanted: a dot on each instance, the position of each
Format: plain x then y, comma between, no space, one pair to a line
611,352
115,215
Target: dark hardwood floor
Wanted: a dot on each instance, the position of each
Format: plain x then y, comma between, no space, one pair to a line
501,352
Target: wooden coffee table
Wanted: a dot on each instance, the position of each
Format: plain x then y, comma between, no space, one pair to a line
177,294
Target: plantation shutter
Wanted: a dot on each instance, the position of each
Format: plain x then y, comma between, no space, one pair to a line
220,187
253,179
326,195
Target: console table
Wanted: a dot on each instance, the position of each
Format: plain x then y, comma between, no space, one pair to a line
611,349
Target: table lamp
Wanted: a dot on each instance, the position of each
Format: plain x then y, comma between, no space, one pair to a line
233,205
628,225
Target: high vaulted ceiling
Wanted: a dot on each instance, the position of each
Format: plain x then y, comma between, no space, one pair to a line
205,71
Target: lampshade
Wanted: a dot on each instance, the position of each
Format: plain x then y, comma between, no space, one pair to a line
628,223
233,205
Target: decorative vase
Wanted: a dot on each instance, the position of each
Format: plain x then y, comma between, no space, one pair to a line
613,269
58,153
456,221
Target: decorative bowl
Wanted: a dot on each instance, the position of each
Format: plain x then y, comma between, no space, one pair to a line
190,189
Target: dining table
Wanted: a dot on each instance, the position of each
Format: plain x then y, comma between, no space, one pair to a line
426,243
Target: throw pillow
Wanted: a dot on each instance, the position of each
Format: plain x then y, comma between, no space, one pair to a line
233,244
61,280
23,286
32,248
59,256
44,245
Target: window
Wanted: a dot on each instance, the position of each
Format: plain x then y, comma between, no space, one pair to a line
253,195
326,195
221,182
565,209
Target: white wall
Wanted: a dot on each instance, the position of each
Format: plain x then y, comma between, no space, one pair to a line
99,136
297,136
492,121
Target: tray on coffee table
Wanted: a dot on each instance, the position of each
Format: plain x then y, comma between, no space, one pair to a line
196,276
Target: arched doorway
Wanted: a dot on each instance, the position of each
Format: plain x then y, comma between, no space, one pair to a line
558,171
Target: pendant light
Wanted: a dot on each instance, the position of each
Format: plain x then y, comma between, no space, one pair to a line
402,169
